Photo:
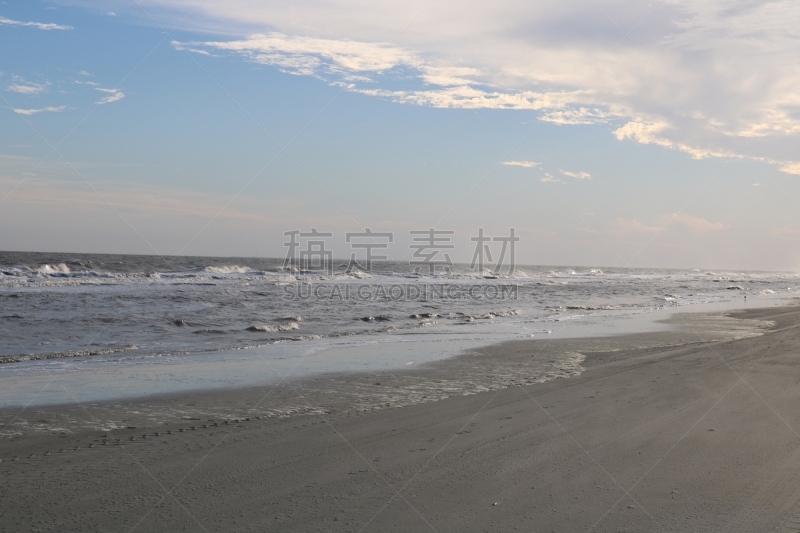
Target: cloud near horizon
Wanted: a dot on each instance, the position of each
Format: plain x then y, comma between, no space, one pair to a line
577,175
523,164
791,168
634,226
690,222
549,178
695,224
785,231
711,79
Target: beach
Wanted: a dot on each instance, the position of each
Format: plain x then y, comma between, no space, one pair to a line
694,429
399,266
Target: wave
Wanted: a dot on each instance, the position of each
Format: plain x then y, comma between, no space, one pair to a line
291,319
491,315
378,318
558,308
53,269
232,269
289,326
61,355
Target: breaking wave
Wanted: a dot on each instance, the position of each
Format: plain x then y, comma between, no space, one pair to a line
233,269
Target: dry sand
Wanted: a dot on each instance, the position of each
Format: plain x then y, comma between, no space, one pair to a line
693,430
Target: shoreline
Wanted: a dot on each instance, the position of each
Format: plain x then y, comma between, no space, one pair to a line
468,372
131,378
647,437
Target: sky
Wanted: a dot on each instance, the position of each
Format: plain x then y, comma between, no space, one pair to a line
606,133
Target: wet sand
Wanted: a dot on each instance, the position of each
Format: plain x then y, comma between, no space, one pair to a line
692,430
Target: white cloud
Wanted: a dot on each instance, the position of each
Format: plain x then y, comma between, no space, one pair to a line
572,117
114,95
634,226
467,97
696,224
49,109
312,56
523,164
711,79
28,88
38,25
791,168
178,46
658,133
577,175
549,178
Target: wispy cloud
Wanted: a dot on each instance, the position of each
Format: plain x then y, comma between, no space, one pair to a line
791,168
549,178
38,25
577,175
523,164
114,95
658,133
634,226
785,231
579,116
28,88
49,109
181,47
696,224
693,223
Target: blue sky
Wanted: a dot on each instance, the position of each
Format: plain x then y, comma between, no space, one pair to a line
617,133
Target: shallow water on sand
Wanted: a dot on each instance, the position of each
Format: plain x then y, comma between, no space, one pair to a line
132,374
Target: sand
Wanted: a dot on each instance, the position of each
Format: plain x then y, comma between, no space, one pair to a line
692,430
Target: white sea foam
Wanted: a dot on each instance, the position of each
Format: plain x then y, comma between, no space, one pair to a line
291,319
232,269
62,355
289,326
52,269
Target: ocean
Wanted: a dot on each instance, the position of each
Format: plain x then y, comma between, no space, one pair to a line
99,321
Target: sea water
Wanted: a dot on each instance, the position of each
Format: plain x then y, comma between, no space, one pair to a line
85,327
